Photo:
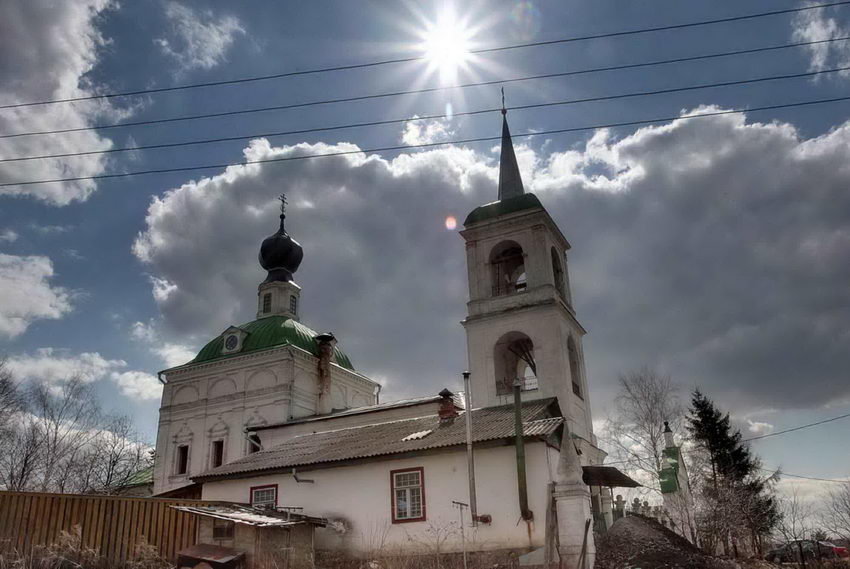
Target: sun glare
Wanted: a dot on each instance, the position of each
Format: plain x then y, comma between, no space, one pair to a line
446,46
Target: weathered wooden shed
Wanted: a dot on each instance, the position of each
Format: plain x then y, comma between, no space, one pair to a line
267,537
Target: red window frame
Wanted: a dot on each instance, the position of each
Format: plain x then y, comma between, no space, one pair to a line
421,471
263,487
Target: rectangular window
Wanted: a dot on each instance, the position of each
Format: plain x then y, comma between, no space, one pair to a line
182,465
577,389
267,303
223,529
217,454
264,495
408,495
293,304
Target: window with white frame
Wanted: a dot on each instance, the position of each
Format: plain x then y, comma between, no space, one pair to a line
265,496
408,493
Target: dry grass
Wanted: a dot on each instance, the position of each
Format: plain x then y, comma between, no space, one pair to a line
68,552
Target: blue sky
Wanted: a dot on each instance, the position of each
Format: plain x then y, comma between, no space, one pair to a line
714,249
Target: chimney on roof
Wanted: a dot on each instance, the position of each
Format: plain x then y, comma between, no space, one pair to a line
447,410
326,344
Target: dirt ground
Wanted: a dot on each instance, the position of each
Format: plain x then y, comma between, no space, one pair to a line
636,542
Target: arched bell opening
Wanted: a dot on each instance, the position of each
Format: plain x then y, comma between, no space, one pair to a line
558,273
572,352
513,355
507,267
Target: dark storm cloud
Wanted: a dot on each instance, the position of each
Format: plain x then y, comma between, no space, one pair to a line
715,249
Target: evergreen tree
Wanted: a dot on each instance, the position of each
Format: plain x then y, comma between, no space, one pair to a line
738,499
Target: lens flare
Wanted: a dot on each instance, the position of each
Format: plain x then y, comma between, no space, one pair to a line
446,45
451,223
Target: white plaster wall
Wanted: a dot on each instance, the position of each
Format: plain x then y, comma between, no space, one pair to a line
218,400
360,494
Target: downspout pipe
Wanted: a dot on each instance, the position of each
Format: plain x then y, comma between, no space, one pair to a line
470,459
522,484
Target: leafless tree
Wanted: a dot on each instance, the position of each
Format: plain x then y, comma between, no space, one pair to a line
57,439
796,522
635,430
836,514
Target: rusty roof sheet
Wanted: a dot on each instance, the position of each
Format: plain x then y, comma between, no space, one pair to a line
250,516
541,417
209,552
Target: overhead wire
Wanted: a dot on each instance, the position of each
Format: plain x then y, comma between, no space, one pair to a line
423,145
421,58
427,89
799,428
426,117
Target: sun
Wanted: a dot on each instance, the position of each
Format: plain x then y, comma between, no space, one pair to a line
446,44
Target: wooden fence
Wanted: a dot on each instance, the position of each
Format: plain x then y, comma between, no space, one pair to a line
111,525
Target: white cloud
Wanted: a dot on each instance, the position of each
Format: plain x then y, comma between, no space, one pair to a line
197,39
815,25
171,354
52,365
137,384
26,294
426,131
714,248
759,428
8,235
46,49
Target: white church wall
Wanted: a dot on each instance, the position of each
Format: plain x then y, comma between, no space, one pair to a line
241,391
360,494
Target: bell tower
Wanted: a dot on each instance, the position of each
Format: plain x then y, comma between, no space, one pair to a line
520,321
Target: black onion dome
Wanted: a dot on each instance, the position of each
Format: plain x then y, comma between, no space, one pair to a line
280,255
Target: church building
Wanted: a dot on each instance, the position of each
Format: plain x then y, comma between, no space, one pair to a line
274,415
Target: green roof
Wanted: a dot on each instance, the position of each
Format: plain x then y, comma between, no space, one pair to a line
270,332
503,207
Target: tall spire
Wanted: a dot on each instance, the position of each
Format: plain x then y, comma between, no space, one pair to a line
510,182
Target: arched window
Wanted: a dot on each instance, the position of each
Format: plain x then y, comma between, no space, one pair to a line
574,367
507,266
558,273
513,356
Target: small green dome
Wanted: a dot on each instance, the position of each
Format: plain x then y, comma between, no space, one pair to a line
502,207
270,332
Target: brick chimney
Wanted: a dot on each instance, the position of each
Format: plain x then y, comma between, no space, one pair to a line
447,411
326,343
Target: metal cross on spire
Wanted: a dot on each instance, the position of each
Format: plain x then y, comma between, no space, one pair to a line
504,110
282,198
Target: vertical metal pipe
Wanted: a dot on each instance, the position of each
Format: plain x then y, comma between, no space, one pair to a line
470,459
522,484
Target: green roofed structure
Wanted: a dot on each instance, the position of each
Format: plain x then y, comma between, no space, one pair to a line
270,332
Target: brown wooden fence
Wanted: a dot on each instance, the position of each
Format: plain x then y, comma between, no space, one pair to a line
111,525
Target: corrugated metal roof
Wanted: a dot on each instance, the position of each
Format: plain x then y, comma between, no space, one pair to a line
358,410
540,418
251,516
269,332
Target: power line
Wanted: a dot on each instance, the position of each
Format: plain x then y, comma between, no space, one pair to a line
426,117
779,470
415,146
791,430
427,89
420,58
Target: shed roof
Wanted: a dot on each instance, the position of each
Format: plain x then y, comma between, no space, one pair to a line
607,476
251,516
540,417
